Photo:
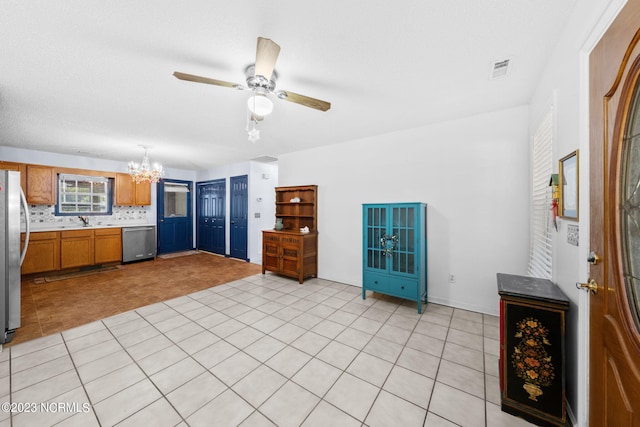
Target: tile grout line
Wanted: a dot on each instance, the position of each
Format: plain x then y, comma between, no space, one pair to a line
236,297
163,396
80,378
204,367
435,380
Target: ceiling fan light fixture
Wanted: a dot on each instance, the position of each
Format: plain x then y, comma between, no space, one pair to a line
260,105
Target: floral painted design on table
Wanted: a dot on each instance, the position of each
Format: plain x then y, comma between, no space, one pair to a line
530,359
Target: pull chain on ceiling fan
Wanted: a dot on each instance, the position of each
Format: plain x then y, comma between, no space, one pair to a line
261,80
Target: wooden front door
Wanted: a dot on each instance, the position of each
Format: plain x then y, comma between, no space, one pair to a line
614,395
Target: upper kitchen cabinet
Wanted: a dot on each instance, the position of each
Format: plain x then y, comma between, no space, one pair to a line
128,193
20,167
41,185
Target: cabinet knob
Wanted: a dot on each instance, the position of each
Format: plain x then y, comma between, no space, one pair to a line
375,281
402,287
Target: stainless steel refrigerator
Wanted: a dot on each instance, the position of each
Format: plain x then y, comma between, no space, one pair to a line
11,200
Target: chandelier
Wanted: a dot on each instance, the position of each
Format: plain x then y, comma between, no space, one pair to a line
144,171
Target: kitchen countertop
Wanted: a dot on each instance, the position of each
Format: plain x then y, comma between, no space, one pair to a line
63,227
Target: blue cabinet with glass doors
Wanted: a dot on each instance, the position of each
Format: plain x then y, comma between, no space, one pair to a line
395,250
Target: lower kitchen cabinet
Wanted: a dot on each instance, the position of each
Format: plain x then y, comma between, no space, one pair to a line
290,253
107,245
43,253
59,250
76,248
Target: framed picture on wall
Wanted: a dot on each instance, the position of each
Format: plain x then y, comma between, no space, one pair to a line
569,183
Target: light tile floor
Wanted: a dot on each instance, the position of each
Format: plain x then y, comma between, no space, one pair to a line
262,351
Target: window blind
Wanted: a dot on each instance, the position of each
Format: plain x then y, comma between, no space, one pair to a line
541,249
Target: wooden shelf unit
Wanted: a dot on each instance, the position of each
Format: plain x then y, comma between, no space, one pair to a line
290,252
296,215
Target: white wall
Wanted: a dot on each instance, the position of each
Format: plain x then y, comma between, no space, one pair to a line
263,179
565,78
472,173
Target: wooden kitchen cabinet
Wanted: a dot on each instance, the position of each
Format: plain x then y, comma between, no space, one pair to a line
41,185
128,193
290,253
143,194
108,245
43,253
76,248
19,167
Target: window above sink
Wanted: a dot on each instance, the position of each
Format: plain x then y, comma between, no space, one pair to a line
84,195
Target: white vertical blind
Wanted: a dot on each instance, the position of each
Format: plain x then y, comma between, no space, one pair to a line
541,250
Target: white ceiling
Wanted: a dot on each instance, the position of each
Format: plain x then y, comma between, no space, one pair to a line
94,78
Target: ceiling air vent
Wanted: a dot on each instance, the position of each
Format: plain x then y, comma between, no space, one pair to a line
499,68
265,159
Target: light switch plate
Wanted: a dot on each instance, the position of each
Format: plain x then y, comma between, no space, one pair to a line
573,234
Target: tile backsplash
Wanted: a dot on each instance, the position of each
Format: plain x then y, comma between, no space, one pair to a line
42,215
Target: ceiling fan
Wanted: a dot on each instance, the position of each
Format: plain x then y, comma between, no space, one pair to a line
261,80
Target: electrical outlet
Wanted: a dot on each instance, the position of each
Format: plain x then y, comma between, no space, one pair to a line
452,278
573,234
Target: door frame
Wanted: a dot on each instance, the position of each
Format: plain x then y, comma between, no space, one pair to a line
606,19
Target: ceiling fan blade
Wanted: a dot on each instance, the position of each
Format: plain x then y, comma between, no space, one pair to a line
304,100
266,55
207,80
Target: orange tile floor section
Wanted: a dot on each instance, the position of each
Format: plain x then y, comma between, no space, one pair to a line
54,306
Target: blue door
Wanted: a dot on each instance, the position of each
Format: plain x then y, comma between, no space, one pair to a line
175,229
211,214
239,215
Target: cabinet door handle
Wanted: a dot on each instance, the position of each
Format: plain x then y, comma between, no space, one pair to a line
402,287
375,282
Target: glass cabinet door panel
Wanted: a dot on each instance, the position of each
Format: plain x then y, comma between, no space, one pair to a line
403,228
376,226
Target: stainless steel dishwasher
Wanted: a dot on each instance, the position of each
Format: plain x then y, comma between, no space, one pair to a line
138,243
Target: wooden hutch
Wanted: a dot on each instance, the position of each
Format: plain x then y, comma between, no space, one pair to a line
290,251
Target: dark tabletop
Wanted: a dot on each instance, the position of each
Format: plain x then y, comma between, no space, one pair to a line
530,287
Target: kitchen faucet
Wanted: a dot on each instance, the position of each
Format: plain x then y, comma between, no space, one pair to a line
85,220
